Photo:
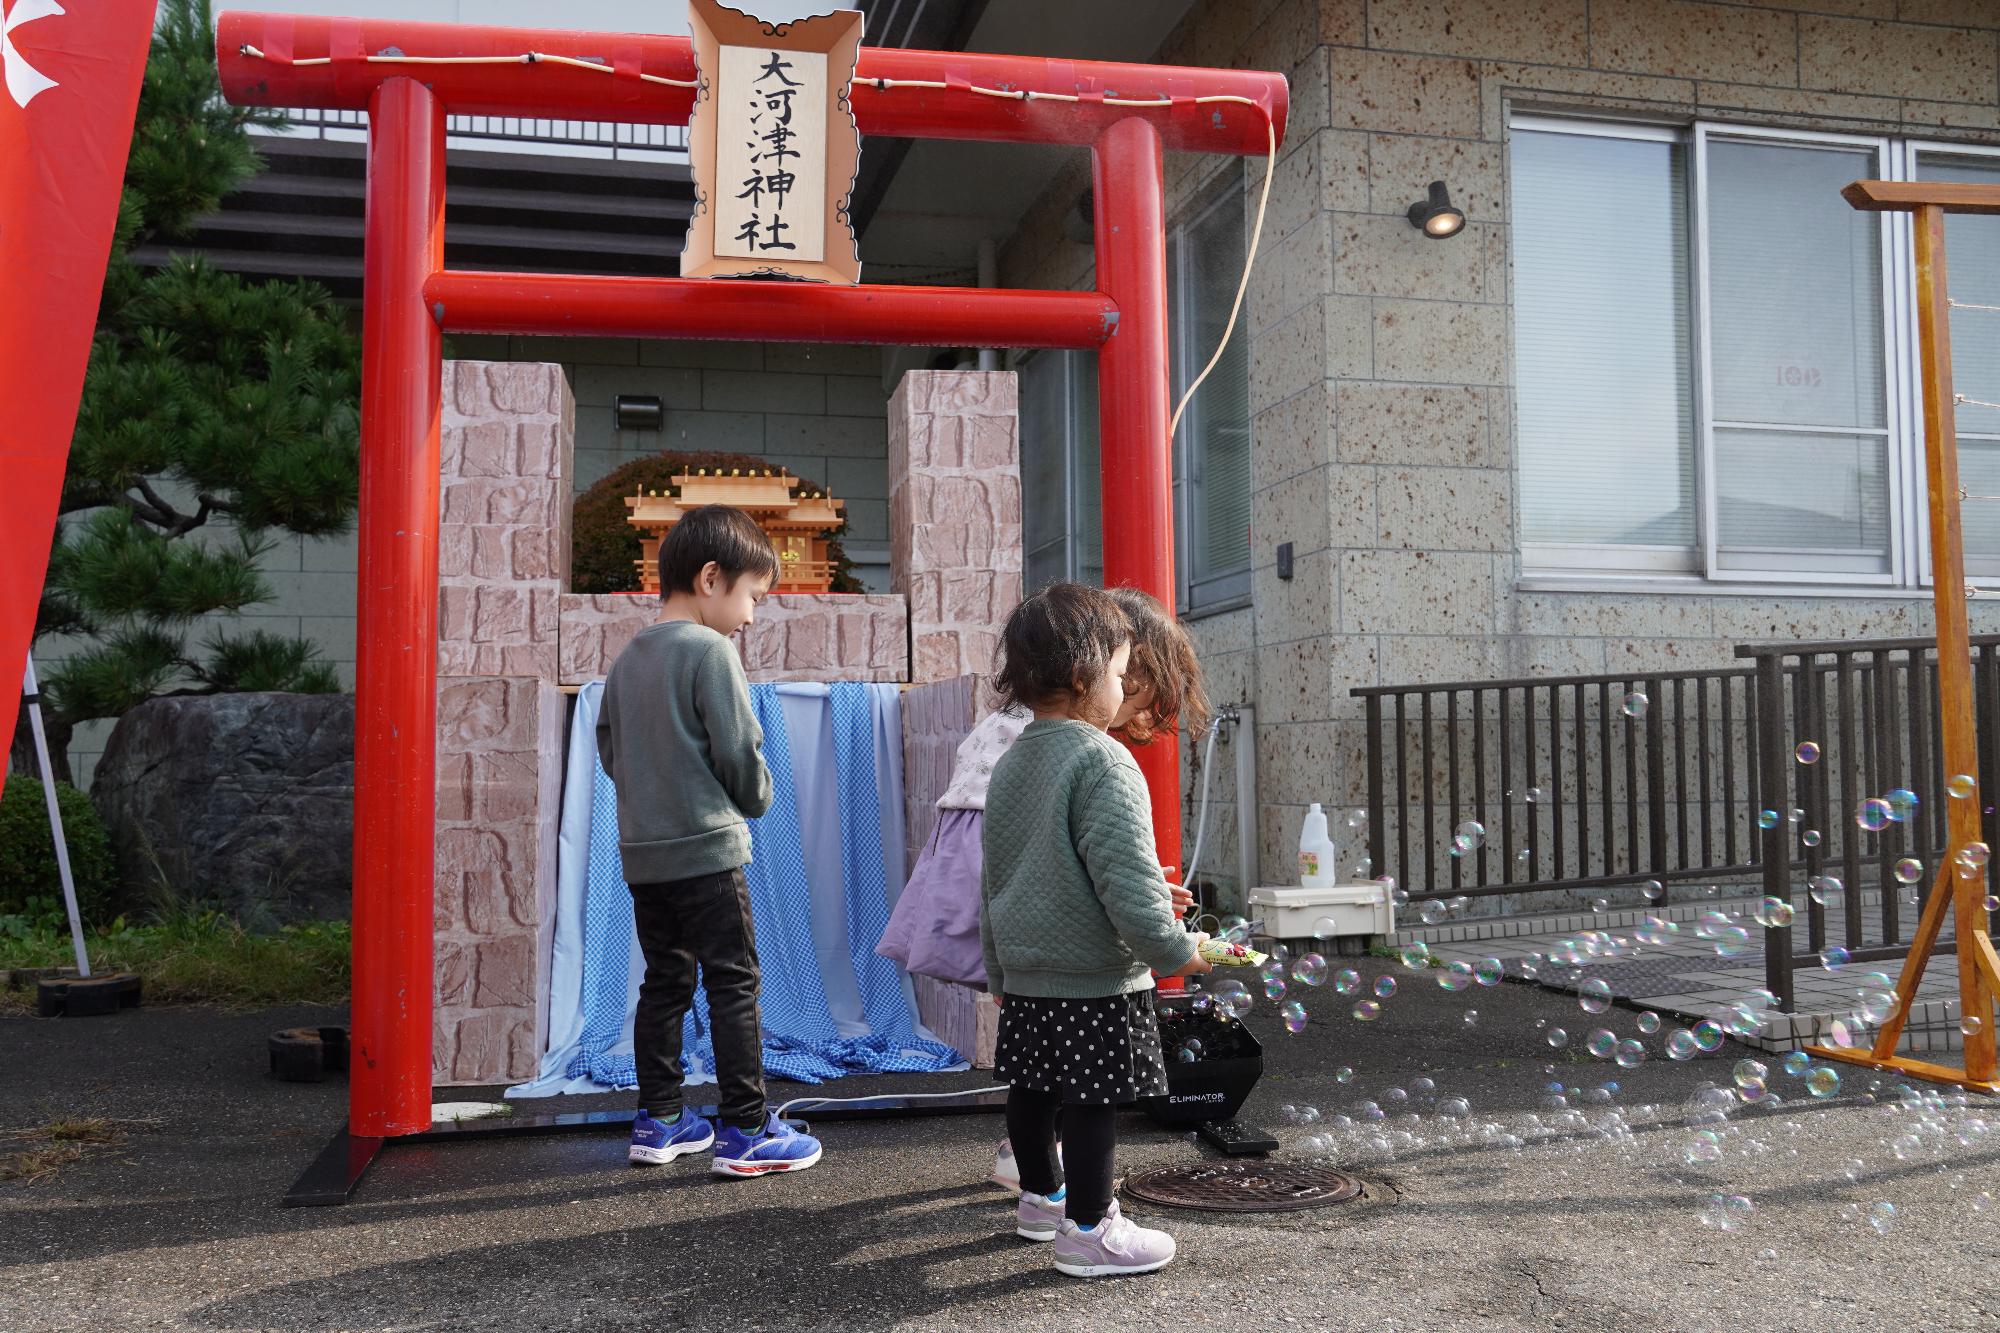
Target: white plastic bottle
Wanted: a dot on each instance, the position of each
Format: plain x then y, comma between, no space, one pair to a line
1316,859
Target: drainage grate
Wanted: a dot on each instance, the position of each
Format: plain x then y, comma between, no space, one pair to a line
1245,1187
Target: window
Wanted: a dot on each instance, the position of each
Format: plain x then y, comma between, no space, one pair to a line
1060,488
1060,509
1972,275
1706,377
1212,449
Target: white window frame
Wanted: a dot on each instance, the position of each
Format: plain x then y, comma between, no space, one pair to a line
1985,573
1670,568
1228,589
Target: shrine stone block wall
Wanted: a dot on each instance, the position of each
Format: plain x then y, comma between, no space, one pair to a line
513,640
955,515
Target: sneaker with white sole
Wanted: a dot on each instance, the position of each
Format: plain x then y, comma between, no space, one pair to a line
1114,1247
657,1142
774,1148
1007,1167
1038,1217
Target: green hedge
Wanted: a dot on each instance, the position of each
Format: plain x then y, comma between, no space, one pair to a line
29,879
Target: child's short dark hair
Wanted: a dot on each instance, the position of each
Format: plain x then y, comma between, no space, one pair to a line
1163,660
729,537
1056,642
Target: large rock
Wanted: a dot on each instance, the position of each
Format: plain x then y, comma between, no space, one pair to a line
241,801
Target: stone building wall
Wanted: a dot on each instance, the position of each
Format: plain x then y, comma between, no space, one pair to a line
1382,362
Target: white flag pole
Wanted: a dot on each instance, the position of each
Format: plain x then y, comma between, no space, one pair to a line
34,700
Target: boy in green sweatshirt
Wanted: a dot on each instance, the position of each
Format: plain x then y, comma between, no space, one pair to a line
681,743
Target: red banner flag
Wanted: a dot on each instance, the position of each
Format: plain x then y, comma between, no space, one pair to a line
69,89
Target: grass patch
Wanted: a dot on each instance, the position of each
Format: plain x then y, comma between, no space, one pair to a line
192,957
60,1143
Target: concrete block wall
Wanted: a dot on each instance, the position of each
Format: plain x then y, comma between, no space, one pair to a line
1381,361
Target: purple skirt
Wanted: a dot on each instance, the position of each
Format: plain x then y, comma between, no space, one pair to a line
934,930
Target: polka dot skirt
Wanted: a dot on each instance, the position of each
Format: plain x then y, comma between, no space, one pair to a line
1095,1052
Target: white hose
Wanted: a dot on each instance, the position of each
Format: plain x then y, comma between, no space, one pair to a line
1201,819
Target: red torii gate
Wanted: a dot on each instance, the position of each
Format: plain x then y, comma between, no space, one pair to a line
408,77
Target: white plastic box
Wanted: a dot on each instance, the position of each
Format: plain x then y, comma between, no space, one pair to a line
1292,912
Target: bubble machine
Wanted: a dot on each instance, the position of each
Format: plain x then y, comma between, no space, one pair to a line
1213,1062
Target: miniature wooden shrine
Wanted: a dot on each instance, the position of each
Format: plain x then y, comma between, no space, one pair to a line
798,522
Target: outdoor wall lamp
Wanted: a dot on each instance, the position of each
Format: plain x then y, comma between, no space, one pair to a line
1434,216
637,411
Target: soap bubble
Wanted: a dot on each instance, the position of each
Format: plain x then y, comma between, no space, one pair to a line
1882,1217
1839,1034
1971,1025
1726,1212
1310,970
1874,815
1536,795
1774,912
1649,1022
1833,958
1767,819
1454,1108
1523,856
1385,986
1594,995
1274,988
1558,1038
1294,1015
1902,804
1344,1074
1600,904
1367,1011
1703,1146
1732,942
1825,889
1908,870
1488,971
1456,976
1654,890
1601,1043
1806,752
1234,997
1974,855
1710,1106
1416,956
1635,704
1431,913
1473,832
1877,1005
1822,1082
1810,837
1961,786
1185,1056
1708,1035
1357,818
1748,1072
1797,1064
1631,1053
1347,981
1471,1017
1325,928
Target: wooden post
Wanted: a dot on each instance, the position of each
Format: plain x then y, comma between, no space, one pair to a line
1929,202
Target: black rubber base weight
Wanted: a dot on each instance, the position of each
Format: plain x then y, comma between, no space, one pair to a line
67,995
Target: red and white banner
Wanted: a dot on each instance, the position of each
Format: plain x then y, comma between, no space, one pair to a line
69,88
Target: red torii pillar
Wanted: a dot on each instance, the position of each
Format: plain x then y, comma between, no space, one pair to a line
410,300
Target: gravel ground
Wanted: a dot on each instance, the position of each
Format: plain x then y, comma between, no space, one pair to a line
1519,1215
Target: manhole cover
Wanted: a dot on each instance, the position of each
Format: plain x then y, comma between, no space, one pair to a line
1245,1187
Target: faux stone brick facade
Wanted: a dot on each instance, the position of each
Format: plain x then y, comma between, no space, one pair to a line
955,515
1382,362
795,637
496,874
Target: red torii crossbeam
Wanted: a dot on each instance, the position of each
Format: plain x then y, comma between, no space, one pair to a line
409,77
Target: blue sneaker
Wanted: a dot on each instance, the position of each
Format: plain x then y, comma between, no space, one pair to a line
776,1147
655,1143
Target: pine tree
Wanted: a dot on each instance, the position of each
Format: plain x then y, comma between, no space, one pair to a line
216,412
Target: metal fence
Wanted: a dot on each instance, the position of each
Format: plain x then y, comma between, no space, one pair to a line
1584,783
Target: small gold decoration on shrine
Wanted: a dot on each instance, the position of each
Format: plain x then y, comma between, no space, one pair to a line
798,525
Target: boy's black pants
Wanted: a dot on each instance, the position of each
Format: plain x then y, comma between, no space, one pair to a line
704,920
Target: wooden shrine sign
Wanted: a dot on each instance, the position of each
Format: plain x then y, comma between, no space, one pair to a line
773,146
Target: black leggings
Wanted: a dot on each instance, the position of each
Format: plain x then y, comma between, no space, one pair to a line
1089,1144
